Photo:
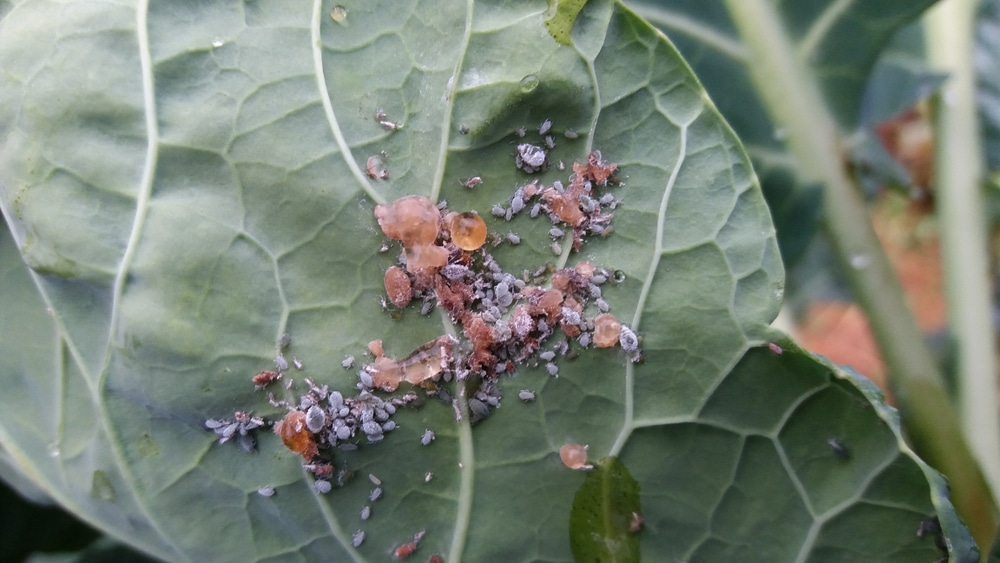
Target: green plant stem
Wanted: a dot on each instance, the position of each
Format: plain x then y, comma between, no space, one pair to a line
959,169
793,98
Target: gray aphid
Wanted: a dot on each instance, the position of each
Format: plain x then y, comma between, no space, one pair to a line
366,512
376,494
556,248
607,198
343,433
336,400
348,362
570,316
571,134
547,355
584,339
550,142
516,204
285,341
556,232
454,271
552,369
322,487
628,339
599,279
388,426
265,491
366,379
247,443
513,238
545,126
390,408
315,419
371,428
280,362
498,211
602,305
358,538
530,156
426,307
478,409
535,210
298,363
526,395
427,438
505,300
375,480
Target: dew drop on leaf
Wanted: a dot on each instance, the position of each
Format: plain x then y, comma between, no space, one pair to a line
529,83
338,14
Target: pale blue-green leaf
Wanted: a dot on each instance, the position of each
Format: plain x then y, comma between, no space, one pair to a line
185,182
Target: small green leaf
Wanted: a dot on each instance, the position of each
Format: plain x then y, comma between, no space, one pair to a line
562,16
606,516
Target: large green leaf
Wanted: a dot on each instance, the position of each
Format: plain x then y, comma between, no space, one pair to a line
185,182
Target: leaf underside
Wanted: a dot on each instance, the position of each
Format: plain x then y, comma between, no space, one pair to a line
182,185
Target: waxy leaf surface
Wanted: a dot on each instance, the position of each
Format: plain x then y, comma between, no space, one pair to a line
184,182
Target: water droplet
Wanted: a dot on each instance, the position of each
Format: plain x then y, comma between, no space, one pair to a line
529,83
338,14
217,42
860,261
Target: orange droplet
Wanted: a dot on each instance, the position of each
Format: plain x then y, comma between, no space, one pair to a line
398,286
421,257
468,230
551,301
585,269
561,280
574,456
294,434
412,219
607,329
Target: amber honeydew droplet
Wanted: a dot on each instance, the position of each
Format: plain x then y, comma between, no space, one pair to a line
468,230
422,257
574,456
412,219
607,329
398,286
294,434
